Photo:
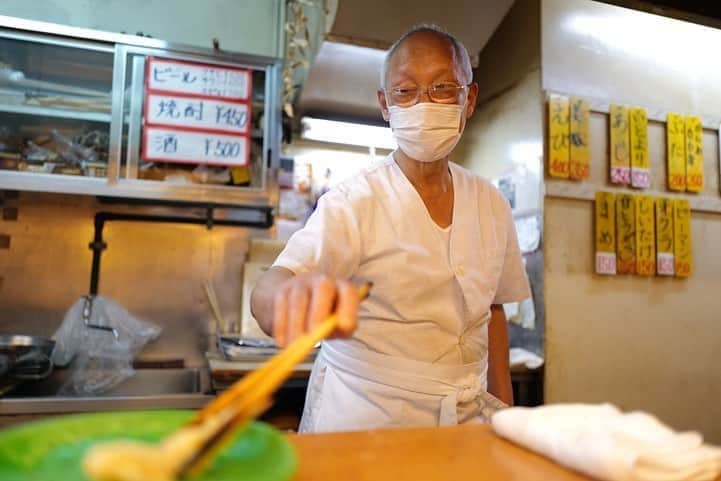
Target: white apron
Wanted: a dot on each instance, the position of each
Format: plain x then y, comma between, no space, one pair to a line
353,389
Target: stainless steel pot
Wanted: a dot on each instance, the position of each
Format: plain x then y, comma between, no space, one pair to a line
24,358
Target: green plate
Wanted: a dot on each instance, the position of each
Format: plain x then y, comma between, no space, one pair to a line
52,449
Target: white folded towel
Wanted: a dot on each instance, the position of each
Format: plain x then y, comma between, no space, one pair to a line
602,442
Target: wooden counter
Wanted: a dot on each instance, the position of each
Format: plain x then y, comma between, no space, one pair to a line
448,453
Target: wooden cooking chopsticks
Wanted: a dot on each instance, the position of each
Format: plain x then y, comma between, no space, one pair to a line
251,396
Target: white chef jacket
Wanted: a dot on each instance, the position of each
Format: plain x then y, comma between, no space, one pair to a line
431,294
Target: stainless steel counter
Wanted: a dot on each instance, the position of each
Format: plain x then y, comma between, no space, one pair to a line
148,389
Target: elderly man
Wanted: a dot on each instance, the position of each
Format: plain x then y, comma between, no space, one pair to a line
437,242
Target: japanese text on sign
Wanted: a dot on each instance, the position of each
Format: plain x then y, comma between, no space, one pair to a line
664,237
579,159
676,152
682,237
197,113
694,154
605,234
645,236
558,132
198,79
619,145
625,234
638,124
170,145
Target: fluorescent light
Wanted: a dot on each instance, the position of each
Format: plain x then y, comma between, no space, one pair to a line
346,133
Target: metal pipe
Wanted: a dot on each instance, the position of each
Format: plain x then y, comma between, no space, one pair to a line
99,245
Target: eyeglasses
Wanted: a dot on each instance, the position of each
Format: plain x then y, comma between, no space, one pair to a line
441,93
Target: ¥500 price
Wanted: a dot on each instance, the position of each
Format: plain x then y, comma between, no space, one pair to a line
223,149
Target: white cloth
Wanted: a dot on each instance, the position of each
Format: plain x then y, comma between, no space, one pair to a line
522,357
602,442
430,301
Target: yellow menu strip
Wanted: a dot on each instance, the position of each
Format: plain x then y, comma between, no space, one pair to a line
580,156
694,154
676,151
619,145
638,124
645,236
605,233
664,237
558,133
625,234
682,238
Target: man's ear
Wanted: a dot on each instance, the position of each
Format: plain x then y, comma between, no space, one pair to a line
384,104
472,99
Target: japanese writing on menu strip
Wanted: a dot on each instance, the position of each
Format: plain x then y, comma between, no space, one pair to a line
682,237
648,237
664,237
676,152
645,236
579,160
694,154
625,234
605,234
638,124
196,113
619,145
558,133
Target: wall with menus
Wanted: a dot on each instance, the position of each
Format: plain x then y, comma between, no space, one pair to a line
646,336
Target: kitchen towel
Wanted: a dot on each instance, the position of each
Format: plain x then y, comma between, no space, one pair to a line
603,442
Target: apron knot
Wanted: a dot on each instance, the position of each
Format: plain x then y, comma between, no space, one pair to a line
469,389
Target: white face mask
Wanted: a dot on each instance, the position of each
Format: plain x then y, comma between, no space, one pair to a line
426,131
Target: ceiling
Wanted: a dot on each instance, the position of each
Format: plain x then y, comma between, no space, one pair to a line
343,79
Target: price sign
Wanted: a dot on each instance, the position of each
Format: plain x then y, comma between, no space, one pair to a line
558,133
173,145
605,233
190,78
580,157
620,148
676,151
645,236
638,123
625,234
682,237
694,154
664,237
197,113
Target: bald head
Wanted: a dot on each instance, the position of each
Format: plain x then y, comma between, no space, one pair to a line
428,40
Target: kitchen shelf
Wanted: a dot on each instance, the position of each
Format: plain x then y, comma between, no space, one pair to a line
82,65
51,112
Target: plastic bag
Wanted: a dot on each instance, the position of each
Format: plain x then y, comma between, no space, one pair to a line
101,361
71,151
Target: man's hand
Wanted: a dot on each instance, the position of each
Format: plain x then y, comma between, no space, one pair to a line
288,306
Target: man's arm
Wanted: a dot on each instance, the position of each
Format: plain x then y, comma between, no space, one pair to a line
499,373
